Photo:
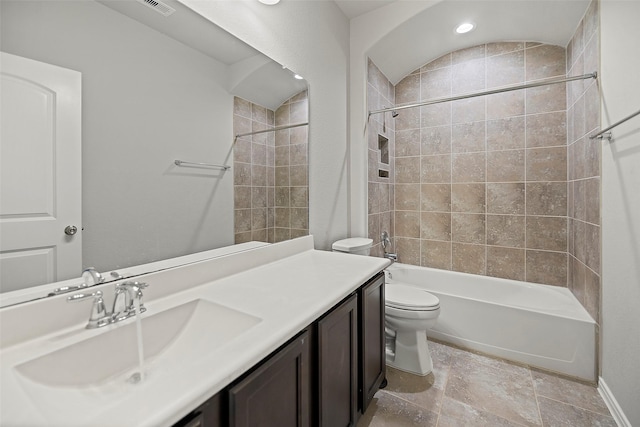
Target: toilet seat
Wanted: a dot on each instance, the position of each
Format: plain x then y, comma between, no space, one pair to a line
409,298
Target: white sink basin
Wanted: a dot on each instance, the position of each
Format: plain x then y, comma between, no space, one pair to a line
173,336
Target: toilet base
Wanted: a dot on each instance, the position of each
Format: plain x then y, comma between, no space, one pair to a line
411,353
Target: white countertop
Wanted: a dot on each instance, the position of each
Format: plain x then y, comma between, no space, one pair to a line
287,285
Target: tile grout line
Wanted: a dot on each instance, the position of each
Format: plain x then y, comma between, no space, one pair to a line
575,406
486,168
468,404
444,387
451,154
535,395
526,145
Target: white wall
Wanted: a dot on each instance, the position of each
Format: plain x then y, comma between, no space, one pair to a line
367,30
311,38
620,80
147,100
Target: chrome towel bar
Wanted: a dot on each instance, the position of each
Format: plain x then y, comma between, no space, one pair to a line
605,134
204,165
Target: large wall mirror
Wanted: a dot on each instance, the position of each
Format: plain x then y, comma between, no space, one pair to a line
159,83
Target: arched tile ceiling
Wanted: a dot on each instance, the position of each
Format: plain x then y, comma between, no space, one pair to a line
430,34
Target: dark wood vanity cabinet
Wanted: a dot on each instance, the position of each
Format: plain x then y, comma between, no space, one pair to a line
325,376
372,362
351,363
337,365
278,392
212,413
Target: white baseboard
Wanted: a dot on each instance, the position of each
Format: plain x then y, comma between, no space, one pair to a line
612,404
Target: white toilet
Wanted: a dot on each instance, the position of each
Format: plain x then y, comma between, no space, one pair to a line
409,313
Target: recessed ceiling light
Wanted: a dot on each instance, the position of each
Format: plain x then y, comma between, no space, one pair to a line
298,76
465,28
269,2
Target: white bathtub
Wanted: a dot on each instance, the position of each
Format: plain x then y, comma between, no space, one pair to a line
539,325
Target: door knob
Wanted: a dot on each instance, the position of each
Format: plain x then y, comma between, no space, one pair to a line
70,230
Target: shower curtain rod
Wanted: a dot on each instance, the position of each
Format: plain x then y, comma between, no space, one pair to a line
271,130
593,75
605,134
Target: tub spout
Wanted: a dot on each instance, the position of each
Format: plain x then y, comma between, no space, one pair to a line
393,257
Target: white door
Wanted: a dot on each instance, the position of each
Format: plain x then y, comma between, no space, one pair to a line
40,173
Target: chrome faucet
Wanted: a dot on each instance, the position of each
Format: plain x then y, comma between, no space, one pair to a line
90,277
393,257
124,304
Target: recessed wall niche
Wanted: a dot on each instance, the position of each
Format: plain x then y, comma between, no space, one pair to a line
383,156
383,146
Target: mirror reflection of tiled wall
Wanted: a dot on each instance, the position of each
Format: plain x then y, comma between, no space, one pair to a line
292,170
271,190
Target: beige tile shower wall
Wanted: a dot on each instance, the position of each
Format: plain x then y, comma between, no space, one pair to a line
253,173
583,156
380,127
291,170
481,184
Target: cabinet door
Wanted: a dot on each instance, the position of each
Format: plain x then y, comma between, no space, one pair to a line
210,414
337,365
373,364
277,393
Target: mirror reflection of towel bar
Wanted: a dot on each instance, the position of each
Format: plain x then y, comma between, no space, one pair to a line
206,165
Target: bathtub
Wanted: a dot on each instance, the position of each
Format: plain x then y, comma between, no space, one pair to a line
538,325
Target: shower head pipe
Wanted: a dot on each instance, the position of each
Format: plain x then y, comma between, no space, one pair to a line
395,109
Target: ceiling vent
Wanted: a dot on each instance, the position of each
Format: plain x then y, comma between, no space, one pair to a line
158,6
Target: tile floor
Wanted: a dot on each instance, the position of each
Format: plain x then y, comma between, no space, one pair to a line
467,389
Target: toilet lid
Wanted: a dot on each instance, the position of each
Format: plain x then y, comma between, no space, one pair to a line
410,298
352,244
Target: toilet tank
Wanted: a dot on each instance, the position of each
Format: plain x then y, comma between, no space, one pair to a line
353,245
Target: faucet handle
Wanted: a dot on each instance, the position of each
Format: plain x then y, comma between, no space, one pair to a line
132,285
65,289
115,275
99,316
384,239
80,297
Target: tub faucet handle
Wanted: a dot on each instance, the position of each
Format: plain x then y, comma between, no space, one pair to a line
384,239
